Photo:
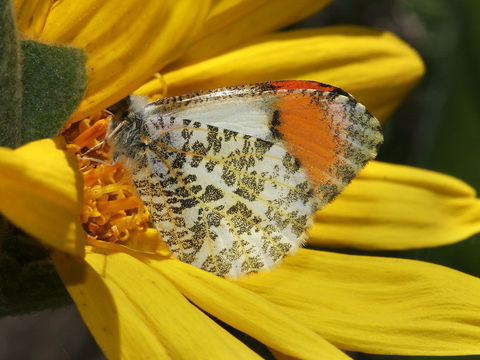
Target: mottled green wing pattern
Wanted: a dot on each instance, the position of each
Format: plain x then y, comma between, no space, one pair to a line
225,202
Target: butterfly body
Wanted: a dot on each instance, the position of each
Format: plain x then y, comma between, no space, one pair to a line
232,176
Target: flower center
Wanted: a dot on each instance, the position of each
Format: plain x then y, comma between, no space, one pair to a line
111,211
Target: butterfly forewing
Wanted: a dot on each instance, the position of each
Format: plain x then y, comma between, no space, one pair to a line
233,176
325,128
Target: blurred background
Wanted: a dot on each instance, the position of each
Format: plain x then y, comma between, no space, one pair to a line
437,127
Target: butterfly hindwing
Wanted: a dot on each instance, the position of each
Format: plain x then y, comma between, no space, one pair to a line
226,202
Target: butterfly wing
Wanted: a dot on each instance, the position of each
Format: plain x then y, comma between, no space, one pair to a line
226,202
233,189
326,129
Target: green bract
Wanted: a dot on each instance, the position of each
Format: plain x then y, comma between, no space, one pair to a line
40,85
10,79
54,81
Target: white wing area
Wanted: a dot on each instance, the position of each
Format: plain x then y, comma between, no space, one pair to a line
247,115
223,201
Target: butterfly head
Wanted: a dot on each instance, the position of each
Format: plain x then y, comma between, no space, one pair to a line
125,129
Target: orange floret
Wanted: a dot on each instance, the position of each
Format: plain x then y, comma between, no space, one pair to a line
111,210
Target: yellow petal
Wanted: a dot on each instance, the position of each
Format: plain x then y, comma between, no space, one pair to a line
377,305
125,44
234,22
31,16
41,191
245,311
376,67
149,242
398,207
134,312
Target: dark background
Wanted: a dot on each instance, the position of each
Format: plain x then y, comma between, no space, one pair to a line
437,127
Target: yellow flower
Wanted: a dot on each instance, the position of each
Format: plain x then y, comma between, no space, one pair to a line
139,304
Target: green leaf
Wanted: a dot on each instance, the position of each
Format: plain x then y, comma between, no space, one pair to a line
10,79
54,81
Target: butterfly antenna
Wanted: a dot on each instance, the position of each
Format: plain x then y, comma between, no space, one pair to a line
99,145
108,137
119,126
94,160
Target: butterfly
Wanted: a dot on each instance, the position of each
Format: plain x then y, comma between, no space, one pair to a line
233,176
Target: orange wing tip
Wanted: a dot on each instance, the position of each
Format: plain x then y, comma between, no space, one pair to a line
329,132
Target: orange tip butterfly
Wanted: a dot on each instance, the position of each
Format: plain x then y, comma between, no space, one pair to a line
233,176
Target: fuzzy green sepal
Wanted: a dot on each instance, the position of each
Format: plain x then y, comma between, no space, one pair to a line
10,79
54,82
